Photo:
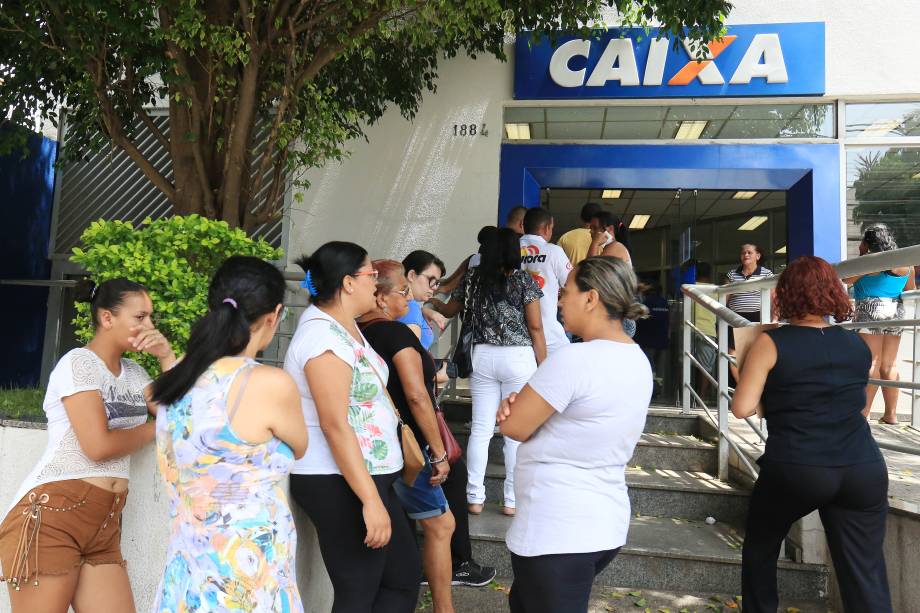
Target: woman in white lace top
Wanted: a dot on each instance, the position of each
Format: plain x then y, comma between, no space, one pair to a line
60,541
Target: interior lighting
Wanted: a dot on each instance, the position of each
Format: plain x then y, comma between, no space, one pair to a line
743,195
517,131
638,222
753,223
610,194
881,127
781,250
690,130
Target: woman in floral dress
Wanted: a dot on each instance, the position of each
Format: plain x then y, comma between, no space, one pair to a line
226,440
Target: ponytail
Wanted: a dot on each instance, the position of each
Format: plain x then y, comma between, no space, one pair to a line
243,290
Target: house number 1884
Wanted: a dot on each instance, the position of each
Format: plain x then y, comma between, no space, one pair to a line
470,129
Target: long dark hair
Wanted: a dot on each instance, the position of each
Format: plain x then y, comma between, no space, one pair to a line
419,260
620,231
328,267
243,289
501,254
108,295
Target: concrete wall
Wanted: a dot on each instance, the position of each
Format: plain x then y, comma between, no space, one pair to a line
414,185
145,528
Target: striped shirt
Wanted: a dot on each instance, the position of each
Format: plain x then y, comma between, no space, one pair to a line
746,302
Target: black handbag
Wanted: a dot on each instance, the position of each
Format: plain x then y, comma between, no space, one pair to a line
463,352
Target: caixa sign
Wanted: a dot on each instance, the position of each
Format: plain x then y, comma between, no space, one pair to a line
782,59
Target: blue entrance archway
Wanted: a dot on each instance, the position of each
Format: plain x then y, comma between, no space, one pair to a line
809,174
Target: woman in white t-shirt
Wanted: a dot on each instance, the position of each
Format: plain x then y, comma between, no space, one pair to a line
345,480
60,541
578,419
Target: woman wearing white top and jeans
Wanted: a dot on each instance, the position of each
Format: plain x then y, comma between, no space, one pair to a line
578,419
345,480
508,344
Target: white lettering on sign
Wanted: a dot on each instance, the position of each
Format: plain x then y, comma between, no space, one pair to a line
617,63
762,59
559,70
654,66
773,67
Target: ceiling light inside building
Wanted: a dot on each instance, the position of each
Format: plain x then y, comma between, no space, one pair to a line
881,127
690,130
610,194
743,195
517,131
638,222
753,223
781,250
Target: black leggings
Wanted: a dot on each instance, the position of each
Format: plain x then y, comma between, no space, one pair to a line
853,503
461,550
556,583
365,580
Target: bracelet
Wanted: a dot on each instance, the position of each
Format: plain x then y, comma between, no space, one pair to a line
440,460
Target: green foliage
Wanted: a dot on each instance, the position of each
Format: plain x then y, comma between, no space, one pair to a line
314,73
22,404
174,258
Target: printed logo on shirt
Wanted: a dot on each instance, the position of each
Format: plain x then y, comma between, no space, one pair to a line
538,278
531,255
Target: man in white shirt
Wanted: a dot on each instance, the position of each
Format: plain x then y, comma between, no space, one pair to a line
549,266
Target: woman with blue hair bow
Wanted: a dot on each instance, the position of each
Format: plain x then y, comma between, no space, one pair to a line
345,481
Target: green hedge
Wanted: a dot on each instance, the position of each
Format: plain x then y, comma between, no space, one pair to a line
173,257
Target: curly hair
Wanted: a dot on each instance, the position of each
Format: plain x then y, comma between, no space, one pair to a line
810,286
878,237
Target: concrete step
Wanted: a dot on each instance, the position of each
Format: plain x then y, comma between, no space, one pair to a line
664,493
664,554
682,452
611,599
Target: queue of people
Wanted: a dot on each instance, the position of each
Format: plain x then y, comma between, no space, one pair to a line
351,419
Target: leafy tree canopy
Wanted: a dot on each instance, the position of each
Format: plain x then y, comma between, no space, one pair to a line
310,73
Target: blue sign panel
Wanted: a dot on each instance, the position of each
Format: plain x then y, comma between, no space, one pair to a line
780,59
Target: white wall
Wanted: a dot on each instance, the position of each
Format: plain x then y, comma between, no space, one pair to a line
414,185
145,522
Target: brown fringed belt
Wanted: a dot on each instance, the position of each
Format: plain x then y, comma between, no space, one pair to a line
21,571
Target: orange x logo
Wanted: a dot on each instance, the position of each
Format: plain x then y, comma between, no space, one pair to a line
693,68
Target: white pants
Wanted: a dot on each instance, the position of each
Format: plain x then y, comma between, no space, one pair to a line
497,372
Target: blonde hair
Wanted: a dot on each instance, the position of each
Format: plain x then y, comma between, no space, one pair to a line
615,283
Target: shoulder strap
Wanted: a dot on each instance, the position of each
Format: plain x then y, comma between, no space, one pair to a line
239,395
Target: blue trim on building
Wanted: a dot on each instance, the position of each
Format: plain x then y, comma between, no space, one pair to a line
808,173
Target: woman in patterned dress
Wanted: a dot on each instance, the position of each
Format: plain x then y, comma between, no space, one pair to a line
227,436
345,481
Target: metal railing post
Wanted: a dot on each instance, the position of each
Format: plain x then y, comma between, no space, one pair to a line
723,396
766,305
685,361
914,396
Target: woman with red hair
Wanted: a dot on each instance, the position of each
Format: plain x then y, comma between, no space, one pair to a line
810,378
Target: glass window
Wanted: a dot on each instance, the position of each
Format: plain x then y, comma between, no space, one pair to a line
678,122
883,186
883,119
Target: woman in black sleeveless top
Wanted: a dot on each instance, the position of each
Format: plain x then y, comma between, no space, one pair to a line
810,378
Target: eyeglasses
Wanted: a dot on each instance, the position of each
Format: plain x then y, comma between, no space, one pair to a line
433,282
367,273
404,292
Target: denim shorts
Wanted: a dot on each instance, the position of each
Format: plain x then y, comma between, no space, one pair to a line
422,500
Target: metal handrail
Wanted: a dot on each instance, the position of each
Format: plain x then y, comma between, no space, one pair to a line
714,298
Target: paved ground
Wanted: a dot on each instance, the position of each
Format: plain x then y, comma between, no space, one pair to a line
494,599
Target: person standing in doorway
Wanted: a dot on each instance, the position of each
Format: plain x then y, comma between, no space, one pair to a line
609,236
746,304
577,241
579,419
810,379
508,345
515,220
549,267
878,298
60,543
